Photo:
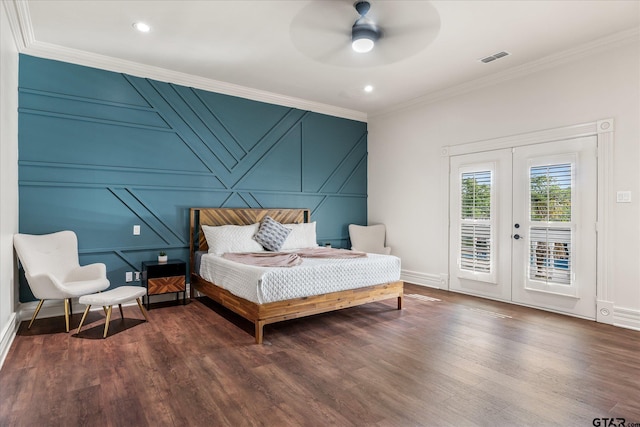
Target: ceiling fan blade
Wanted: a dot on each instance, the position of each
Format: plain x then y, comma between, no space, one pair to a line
330,55
321,30
335,16
411,30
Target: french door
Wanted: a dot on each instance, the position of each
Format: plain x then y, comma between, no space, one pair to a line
523,225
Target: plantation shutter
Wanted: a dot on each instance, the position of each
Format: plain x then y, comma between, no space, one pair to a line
550,233
476,222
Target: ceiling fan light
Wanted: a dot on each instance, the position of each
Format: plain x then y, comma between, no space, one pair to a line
362,45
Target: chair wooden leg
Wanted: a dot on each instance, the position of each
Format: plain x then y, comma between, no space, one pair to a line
106,325
84,316
66,313
35,313
144,312
121,313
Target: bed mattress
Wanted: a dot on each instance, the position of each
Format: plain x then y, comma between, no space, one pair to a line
314,276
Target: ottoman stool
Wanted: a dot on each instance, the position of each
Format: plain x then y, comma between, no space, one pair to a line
109,298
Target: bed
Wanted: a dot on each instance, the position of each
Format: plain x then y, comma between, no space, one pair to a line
273,309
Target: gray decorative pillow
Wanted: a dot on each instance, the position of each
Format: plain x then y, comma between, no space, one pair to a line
271,234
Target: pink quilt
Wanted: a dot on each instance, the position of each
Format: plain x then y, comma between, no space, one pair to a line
290,259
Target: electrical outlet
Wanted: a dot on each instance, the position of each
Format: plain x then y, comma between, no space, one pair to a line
136,276
623,197
136,230
128,276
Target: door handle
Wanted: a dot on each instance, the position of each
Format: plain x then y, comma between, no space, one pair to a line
516,236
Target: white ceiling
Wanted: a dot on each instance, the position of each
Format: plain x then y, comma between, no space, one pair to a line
276,46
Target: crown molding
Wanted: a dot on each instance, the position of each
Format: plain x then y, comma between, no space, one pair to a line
548,62
20,20
21,31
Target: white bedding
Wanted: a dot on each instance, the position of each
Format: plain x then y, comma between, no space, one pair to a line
315,276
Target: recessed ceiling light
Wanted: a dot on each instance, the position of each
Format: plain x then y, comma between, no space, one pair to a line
368,88
142,27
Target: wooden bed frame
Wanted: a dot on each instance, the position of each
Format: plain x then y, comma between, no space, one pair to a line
263,314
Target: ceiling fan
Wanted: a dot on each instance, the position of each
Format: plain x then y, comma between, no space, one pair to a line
364,33
326,30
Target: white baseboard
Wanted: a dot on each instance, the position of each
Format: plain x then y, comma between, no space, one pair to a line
50,308
626,318
7,335
53,308
430,280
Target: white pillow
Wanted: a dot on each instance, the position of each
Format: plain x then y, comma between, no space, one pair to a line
301,236
231,238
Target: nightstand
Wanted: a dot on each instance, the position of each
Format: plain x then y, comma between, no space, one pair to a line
165,278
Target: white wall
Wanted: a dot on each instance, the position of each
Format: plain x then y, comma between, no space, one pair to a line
405,154
8,179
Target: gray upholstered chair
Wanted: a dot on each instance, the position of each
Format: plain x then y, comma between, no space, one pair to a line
53,271
369,238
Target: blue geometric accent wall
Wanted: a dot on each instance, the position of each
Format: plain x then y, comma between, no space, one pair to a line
100,152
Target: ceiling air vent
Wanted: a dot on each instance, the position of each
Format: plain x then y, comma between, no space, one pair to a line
494,57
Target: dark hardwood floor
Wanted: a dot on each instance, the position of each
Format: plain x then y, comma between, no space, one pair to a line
457,360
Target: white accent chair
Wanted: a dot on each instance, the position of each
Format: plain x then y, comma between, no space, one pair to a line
369,238
53,271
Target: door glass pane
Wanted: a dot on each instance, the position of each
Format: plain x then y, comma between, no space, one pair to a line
475,225
551,193
476,195
550,235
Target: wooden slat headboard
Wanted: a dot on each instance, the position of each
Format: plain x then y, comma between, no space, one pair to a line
228,216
